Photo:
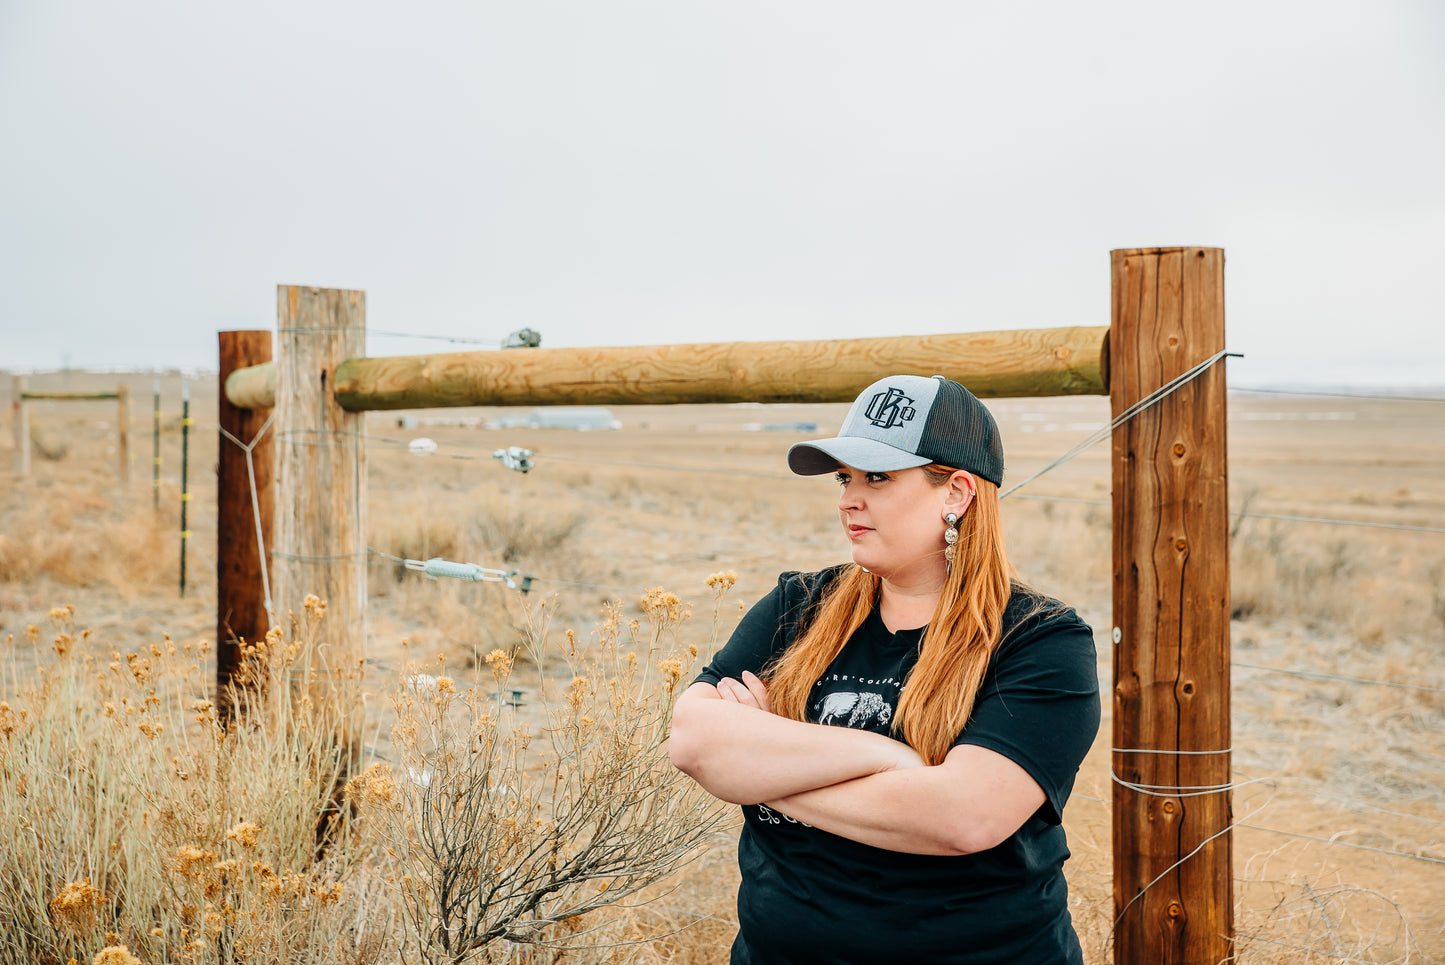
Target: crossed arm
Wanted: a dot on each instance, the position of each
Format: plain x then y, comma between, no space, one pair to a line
853,783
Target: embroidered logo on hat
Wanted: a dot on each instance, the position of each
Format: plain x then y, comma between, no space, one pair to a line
888,409
905,421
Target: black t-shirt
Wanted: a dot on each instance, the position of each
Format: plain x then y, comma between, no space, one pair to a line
808,896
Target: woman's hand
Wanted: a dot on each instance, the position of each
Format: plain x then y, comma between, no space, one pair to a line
750,691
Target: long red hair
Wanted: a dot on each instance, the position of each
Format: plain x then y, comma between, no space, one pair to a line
954,653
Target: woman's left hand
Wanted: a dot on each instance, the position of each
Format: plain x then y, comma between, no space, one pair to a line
750,691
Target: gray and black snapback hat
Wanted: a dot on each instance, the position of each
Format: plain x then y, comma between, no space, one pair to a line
905,421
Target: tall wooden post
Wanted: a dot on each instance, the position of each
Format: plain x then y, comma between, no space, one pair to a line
1173,875
20,416
241,570
321,477
156,445
122,425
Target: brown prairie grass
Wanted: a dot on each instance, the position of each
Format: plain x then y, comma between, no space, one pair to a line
1349,602
133,823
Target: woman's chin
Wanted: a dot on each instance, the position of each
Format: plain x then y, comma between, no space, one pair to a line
866,560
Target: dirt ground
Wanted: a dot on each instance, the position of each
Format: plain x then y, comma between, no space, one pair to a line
1340,839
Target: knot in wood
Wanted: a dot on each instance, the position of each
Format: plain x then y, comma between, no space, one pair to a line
1168,807
1178,448
1175,909
1181,544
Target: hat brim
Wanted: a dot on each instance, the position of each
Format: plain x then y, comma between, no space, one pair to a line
869,455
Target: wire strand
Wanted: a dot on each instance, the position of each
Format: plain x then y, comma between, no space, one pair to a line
1344,844
1165,390
1339,395
1320,675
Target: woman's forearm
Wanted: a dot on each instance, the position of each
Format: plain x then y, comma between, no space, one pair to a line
971,802
746,756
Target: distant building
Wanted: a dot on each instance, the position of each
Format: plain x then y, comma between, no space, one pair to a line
582,418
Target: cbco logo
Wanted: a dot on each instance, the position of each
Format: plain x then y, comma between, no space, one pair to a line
889,409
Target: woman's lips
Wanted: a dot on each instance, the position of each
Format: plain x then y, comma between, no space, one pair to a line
855,531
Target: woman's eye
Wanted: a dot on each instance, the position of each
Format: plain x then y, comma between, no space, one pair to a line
876,477
842,478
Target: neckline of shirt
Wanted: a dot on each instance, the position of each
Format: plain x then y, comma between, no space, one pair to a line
909,635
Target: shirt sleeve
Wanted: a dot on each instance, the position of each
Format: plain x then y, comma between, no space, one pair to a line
769,627
1039,703
751,645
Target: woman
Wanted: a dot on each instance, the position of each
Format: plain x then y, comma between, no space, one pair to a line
902,731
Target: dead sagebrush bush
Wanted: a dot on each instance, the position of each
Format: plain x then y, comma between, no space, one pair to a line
507,838
67,534
128,816
1284,571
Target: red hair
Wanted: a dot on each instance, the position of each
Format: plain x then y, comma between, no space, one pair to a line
954,653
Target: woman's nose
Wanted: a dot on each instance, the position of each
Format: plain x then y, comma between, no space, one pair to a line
848,497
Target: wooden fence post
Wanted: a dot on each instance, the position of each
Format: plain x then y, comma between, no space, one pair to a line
321,479
1173,874
156,445
122,424
240,569
20,416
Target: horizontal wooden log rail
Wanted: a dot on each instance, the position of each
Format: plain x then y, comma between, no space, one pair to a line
1027,362
69,396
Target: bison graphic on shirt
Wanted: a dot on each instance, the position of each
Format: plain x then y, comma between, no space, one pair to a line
854,709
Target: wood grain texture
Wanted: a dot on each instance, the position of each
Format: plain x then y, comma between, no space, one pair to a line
321,481
1171,612
240,591
1031,362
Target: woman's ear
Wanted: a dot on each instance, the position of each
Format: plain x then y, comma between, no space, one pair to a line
961,490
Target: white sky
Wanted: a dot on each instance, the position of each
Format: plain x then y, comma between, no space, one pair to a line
650,172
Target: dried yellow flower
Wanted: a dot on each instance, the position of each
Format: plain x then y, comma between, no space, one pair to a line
75,907
115,955
663,609
722,581
193,861
445,685
374,787
671,670
244,834
9,721
500,663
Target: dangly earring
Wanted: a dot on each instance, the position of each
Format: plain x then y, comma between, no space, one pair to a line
950,536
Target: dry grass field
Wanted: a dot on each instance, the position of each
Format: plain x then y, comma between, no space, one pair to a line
1340,848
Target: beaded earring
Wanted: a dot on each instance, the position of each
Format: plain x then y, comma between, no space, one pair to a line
950,537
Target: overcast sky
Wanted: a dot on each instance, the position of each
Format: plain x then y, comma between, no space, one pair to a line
650,172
